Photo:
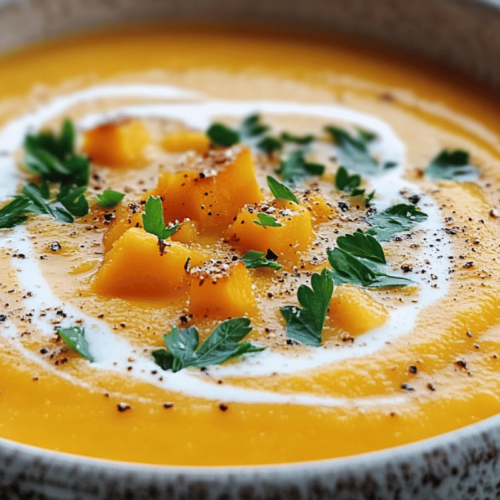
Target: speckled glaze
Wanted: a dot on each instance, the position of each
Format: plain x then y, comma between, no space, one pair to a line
463,34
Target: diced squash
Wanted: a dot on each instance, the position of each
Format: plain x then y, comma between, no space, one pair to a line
126,217
118,144
321,210
134,268
212,200
187,232
355,311
287,241
228,295
179,142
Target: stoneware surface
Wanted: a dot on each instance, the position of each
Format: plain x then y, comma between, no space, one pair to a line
463,34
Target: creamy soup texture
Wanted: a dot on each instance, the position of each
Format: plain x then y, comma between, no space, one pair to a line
392,364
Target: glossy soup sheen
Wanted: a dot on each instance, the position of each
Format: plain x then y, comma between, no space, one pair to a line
448,357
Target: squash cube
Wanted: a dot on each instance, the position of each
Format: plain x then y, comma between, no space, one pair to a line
355,311
135,268
211,197
321,210
126,217
287,241
118,144
180,142
221,291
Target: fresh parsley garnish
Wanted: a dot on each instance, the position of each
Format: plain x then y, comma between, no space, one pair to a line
353,151
350,184
401,217
280,191
39,205
295,167
74,337
252,126
266,221
269,144
222,344
305,325
73,200
109,198
452,165
222,135
253,259
303,140
360,260
12,214
53,157
153,221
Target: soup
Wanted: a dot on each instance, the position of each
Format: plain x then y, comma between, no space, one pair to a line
234,249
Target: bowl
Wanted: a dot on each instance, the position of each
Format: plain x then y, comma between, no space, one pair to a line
463,35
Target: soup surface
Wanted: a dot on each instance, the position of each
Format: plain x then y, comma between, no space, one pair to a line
397,341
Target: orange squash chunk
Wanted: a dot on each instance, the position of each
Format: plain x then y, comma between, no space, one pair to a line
287,241
118,144
321,210
179,142
221,291
211,197
126,217
355,311
187,233
134,268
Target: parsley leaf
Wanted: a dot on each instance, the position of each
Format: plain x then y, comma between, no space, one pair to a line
73,200
222,344
11,214
222,135
305,325
347,183
353,151
53,158
252,126
74,337
362,245
452,165
109,198
39,206
266,221
253,259
297,139
401,217
153,220
280,191
270,144
296,167
360,260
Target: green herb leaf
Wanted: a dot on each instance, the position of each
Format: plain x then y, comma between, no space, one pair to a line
359,260
253,259
40,206
353,151
345,182
163,359
252,126
270,144
153,220
53,158
297,139
401,217
280,191
222,135
109,198
295,167
74,201
452,165
266,221
11,214
369,198
305,325
74,337
222,344
362,245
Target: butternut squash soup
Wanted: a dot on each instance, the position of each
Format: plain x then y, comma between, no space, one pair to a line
225,248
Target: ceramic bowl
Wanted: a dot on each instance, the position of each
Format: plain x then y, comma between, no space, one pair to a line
465,464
